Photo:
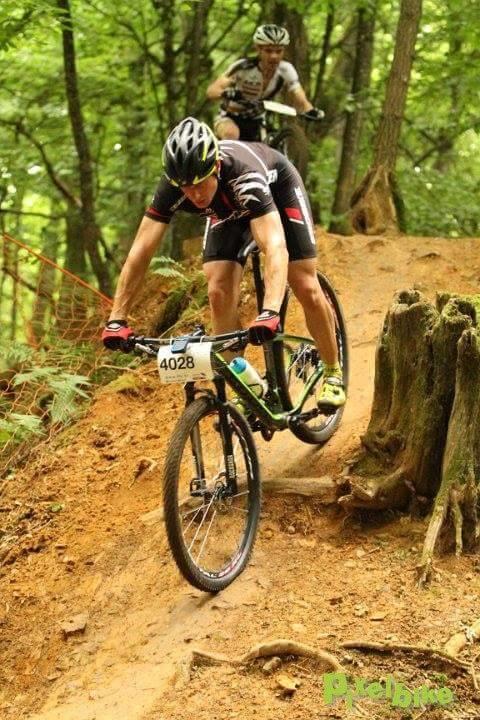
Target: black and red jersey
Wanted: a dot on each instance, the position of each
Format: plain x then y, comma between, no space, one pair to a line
252,177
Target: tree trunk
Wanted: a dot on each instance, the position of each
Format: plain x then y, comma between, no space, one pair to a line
135,119
341,222
197,37
166,12
44,299
422,444
322,64
378,190
90,230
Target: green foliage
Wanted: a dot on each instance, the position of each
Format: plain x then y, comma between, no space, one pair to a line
19,427
166,267
143,66
15,355
60,391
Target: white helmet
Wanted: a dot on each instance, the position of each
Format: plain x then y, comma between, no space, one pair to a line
271,35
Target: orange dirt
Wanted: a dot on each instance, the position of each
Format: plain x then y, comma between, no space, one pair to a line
81,544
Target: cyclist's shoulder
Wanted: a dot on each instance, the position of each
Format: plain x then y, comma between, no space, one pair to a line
166,199
287,68
239,157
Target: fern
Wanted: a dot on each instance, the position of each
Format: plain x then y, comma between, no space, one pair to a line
66,391
19,427
64,388
15,356
167,267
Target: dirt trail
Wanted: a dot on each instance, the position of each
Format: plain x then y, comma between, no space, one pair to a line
315,576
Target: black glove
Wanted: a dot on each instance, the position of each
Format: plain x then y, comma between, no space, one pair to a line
231,93
264,327
313,114
116,334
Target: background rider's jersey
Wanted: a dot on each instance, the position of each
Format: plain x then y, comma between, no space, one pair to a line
251,177
249,80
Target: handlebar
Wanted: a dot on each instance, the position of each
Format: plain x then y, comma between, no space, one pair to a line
236,340
276,107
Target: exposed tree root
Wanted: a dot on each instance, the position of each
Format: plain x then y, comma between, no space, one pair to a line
324,489
459,640
261,650
419,649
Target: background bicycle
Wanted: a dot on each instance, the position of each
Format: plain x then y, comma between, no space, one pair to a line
280,129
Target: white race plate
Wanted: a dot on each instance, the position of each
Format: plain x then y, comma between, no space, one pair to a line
194,364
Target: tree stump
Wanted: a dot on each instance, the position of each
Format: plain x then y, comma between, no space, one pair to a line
376,205
422,445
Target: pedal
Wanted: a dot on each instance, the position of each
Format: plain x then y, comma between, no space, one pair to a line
327,409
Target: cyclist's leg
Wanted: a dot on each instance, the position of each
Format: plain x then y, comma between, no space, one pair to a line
222,243
302,278
297,221
225,128
223,278
237,127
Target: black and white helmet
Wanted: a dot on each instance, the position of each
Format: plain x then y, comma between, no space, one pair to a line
190,153
271,35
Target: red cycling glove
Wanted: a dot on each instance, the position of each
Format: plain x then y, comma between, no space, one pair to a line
264,327
115,335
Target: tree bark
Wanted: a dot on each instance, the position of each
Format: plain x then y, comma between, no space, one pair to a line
196,52
422,445
341,222
90,230
376,205
322,64
44,299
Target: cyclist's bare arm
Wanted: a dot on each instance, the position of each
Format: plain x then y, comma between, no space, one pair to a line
147,239
299,100
216,88
270,238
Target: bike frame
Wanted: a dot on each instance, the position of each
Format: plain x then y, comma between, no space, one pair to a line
271,121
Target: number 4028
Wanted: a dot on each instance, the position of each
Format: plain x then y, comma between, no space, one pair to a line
179,363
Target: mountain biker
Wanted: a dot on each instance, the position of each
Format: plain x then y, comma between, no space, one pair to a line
258,78
239,187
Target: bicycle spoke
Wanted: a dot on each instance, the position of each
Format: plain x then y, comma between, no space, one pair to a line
205,538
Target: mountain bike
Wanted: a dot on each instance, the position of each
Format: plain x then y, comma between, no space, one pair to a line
289,139
212,479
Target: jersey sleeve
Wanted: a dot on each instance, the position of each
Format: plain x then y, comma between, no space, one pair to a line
290,76
235,67
162,206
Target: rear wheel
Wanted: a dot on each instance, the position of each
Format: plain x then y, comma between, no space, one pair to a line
211,495
299,360
292,142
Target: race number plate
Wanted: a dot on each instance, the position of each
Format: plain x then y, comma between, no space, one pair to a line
194,364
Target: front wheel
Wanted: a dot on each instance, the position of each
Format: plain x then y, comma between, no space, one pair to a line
299,360
211,494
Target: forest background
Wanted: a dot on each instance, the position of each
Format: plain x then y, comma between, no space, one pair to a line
90,90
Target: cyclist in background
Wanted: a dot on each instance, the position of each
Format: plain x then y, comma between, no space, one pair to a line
240,188
258,78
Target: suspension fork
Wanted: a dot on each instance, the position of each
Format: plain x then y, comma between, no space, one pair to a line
197,484
226,433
